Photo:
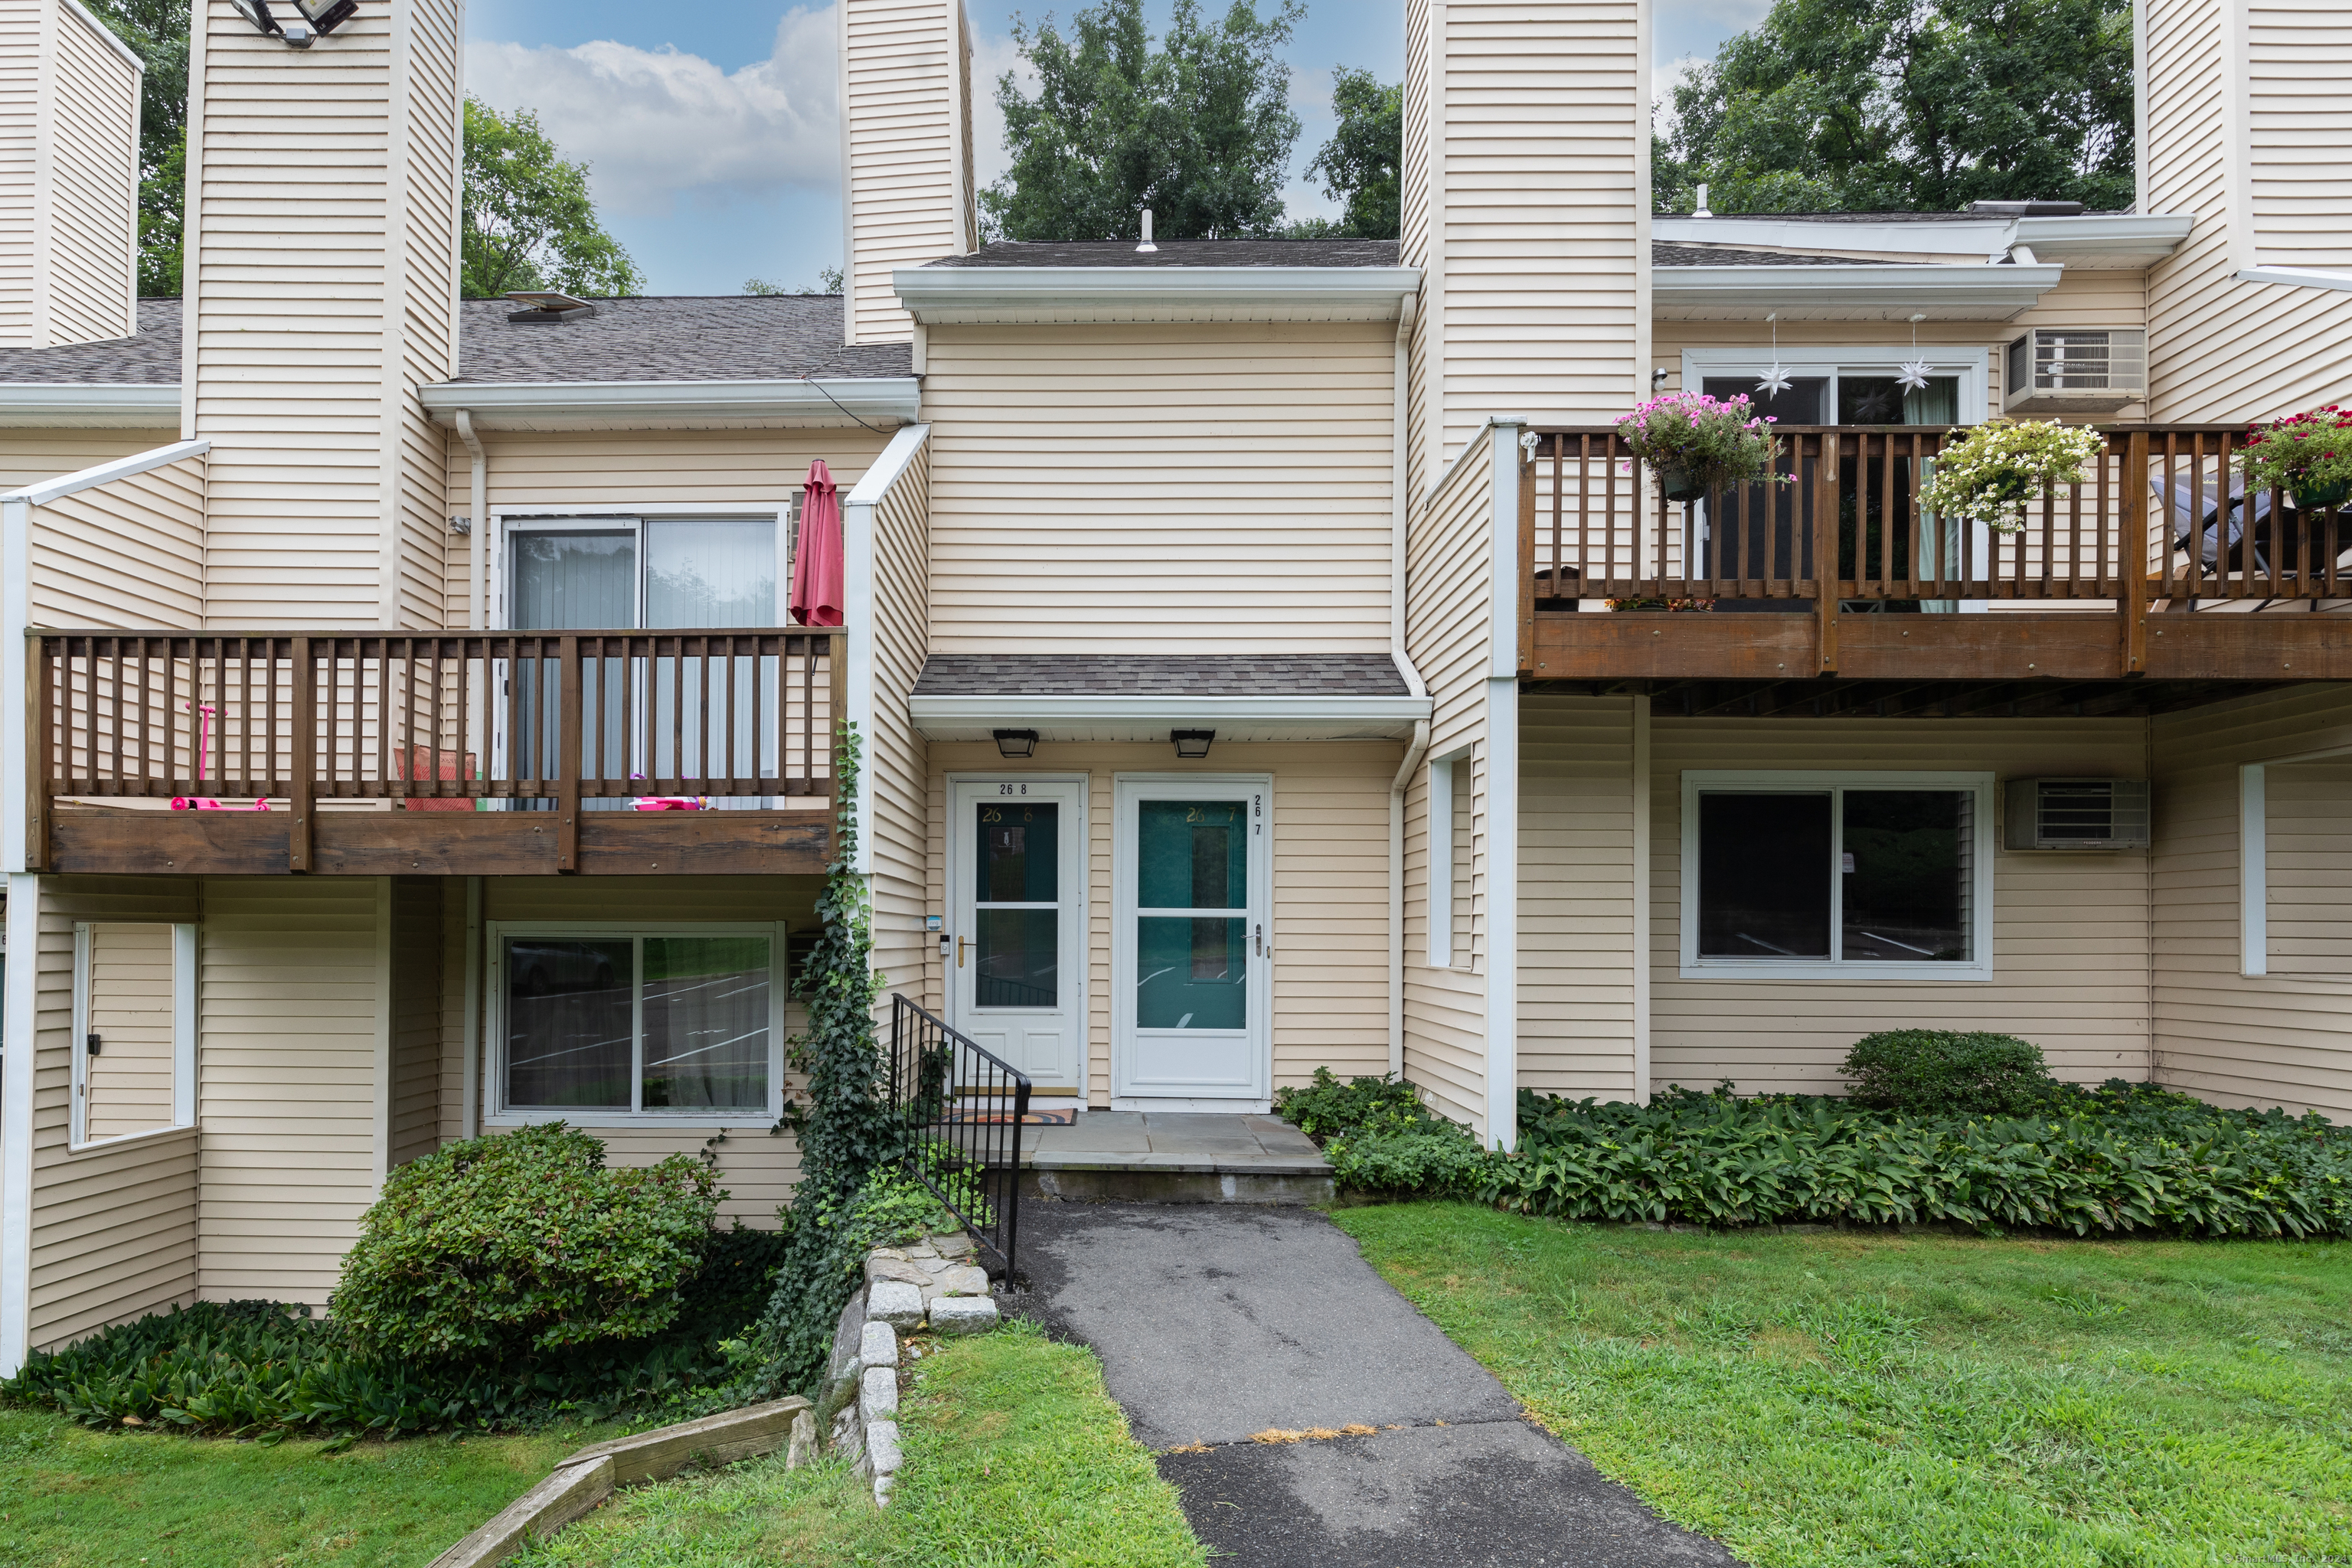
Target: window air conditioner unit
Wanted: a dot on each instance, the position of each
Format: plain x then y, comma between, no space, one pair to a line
2064,370
2077,814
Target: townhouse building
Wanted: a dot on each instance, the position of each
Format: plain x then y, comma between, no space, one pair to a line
1262,653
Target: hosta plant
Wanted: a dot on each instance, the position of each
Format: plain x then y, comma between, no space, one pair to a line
1993,471
2309,454
1697,443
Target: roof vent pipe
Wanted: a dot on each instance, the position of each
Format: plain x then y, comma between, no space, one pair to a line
1147,245
1700,210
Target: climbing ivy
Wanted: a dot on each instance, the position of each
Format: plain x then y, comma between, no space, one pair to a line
847,1127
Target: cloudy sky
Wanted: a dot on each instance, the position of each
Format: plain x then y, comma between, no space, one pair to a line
710,130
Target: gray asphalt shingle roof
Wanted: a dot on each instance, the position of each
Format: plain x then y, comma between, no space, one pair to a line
1180,253
150,359
1159,675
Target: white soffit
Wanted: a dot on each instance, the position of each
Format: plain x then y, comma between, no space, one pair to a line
1109,718
996,296
2105,241
1859,293
82,406
676,404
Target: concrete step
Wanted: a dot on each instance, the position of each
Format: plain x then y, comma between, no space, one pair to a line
1188,1157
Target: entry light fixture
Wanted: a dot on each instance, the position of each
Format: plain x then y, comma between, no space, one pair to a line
1016,743
311,19
1191,744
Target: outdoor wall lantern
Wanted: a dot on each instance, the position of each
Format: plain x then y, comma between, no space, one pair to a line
1192,745
318,18
1016,743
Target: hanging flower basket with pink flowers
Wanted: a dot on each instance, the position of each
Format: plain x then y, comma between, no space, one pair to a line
1696,443
2308,454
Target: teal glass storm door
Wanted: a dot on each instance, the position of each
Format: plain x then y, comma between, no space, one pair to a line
1193,960
1016,940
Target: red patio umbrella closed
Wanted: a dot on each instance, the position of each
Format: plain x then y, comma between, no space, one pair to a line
816,564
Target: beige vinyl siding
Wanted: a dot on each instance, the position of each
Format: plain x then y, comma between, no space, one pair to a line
2299,125
126,554
1417,245
312,270
1329,930
90,220
113,1228
2307,870
1448,613
2222,351
20,110
1158,490
1576,869
29,456
2096,301
127,1087
449,1124
428,79
551,472
415,1008
757,1169
898,759
2070,931
291,1020
904,77
2277,1039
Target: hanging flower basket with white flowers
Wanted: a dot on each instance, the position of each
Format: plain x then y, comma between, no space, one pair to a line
1993,471
1696,443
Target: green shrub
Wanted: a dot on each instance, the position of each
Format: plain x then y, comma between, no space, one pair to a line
523,1243
796,1332
1327,1108
2119,1159
1935,1072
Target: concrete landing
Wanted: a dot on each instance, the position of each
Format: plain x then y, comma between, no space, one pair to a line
1174,1157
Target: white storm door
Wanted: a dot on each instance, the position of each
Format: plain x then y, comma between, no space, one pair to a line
1190,961
1017,962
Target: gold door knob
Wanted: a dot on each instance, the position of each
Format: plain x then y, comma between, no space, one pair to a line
962,942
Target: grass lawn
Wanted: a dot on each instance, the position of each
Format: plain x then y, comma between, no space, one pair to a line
70,1497
1843,1398
1014,1456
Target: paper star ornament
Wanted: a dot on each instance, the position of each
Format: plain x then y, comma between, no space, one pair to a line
1913,375
1774,382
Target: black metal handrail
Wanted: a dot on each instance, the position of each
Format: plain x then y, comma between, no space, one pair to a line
963,1108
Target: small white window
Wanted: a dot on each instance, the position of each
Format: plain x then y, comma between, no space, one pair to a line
1855,875
134,1030
1451,860
2297,849
601,1023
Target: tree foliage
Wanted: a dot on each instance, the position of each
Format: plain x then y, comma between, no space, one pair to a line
1908,105
528,221
157,31
1361,166
1197,127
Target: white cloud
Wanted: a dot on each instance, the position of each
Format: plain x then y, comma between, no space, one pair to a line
654,125
992,54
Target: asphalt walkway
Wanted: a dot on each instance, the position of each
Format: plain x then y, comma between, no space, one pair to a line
1217,1321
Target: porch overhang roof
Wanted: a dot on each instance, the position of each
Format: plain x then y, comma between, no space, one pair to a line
796,402
998,296
1862,292
1303,716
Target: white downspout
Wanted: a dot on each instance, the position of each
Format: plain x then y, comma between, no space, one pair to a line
478,618
477,556
1399,517
21,1019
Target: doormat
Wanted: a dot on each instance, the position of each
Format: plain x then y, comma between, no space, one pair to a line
998,1119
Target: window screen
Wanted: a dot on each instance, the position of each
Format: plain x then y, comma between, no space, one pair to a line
1888,873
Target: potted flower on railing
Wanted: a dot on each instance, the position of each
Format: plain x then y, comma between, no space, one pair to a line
2309,455
1993,471
1695,443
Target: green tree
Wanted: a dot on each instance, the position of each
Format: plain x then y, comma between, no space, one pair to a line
528,221
1199,128
157,31
1361,165
828,281
1908,105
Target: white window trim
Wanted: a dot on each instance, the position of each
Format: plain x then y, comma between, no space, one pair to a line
505,522
2254,869
1767,781
500,1115
184,1036
1441,855
1972,365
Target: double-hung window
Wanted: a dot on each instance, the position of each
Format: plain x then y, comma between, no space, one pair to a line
600,1023
1844,874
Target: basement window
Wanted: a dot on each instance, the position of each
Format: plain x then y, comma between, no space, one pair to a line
601,1023
1852,876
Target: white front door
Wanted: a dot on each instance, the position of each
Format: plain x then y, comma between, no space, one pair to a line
1017,959
1190,956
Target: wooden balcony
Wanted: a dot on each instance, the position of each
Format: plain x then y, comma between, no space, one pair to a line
2155,582
421,754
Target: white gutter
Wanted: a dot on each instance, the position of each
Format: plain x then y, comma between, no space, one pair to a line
988,295
858,600
1869,291
90,407
2151,235
1399,522
2297,276
824,399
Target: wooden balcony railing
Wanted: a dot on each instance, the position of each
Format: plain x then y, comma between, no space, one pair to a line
2163,514
533,722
